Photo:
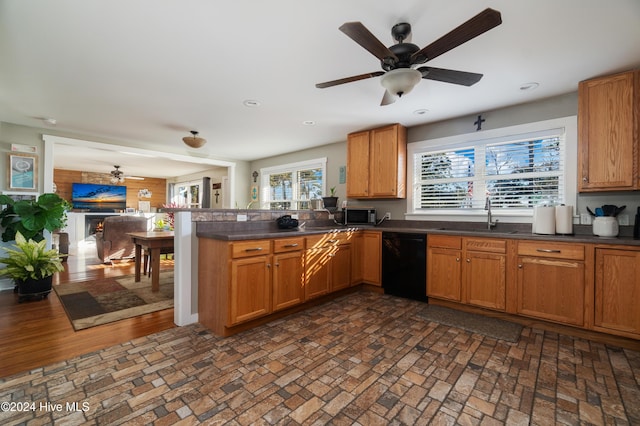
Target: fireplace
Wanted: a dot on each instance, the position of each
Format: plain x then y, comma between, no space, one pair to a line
93,223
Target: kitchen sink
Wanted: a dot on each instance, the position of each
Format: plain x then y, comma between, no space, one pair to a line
475,230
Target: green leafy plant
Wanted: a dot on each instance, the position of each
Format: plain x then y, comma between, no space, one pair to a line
32,217
333,191
30,259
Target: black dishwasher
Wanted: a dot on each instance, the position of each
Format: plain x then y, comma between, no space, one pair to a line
404,265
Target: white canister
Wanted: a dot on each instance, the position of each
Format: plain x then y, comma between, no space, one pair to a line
605,226
544,220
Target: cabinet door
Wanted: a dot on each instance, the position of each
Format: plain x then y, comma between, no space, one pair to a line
316,272
340,267
551,289
444,273
250,292
485,278
372,258
287,280
617,295
358,165
387,163
606,133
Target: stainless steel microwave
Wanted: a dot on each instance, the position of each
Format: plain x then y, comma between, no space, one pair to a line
359,216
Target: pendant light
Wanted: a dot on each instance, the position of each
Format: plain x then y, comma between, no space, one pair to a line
194,141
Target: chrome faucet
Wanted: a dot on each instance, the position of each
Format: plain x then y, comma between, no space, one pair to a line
487,207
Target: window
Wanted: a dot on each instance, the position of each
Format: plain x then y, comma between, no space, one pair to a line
517,171
291,186
187,194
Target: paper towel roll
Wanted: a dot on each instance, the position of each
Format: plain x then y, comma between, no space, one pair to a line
564,220
544,220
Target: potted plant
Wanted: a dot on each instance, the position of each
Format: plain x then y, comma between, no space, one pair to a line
32,217
331,202
31,266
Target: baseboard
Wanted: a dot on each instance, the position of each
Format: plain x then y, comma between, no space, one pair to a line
6,284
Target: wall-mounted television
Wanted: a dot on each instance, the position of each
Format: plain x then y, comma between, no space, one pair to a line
98,197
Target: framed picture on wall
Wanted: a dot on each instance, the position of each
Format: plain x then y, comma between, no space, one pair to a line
22,171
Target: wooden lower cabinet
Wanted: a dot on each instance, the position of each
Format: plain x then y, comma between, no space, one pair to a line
250,288
551,281
485,272
340,267
617,292
444,267
371,258
467,270
288,273
327,266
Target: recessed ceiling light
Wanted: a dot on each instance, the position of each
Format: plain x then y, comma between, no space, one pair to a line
527,87
309,123
50,121
250,103
421,111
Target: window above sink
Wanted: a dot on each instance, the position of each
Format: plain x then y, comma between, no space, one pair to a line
517,167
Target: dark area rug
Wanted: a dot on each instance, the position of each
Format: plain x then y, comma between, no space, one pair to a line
91,303
492,327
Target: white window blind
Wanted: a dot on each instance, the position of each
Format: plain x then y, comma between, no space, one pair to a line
515,172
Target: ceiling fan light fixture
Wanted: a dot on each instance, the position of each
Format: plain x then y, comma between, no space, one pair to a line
400,81
116,175
194,141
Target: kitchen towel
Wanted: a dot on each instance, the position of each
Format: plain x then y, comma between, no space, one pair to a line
544,220
564,220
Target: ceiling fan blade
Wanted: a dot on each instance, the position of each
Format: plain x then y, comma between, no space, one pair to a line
481,23
361,35
349,79
387,98
450,76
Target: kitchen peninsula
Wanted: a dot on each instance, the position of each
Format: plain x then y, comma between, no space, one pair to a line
249,273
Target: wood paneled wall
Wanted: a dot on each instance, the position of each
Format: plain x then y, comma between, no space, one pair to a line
158,187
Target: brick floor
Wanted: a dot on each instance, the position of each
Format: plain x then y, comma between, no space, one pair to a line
364,359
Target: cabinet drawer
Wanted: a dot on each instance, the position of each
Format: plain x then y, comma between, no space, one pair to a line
282,245
489,245
324,240
444,241
250,248
551,249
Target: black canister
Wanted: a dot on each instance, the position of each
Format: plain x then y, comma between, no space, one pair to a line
636,226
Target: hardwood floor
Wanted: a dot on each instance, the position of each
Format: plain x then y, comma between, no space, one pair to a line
37,333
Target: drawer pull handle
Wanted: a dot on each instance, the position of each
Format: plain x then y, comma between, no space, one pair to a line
549,251
254,249
332,241
291,245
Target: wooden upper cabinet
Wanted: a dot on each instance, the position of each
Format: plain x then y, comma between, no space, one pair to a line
377,163
358,165
608,148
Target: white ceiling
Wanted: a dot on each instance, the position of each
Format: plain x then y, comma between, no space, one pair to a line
143,73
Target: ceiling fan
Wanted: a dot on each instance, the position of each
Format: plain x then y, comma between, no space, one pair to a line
398,61
118,176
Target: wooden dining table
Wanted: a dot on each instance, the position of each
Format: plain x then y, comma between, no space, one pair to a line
153,242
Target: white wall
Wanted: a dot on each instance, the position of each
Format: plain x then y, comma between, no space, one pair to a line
555,107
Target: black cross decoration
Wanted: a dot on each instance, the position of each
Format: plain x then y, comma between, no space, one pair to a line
479,122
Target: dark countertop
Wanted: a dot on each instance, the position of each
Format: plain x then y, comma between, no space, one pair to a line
507,231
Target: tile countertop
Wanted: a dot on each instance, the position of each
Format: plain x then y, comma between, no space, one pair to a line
267,230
